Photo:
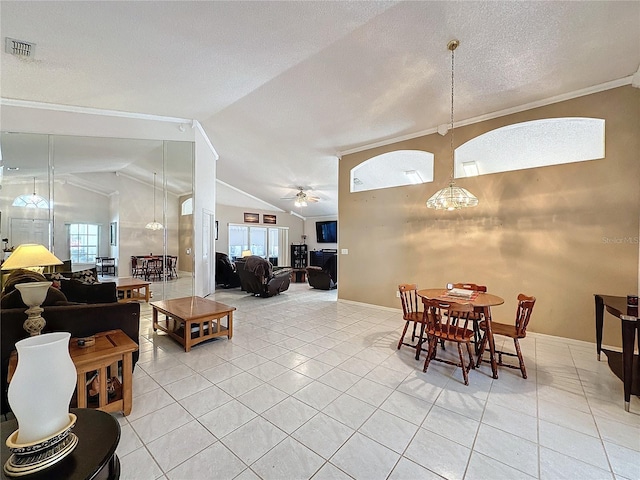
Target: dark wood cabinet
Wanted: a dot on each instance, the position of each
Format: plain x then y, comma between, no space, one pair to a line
299,256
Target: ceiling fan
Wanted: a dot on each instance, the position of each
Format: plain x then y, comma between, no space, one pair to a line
301,198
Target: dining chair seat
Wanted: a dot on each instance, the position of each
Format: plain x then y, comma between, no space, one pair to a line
502,329
453,334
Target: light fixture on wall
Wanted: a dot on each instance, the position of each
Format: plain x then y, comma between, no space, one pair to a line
31,200
452,197
154,225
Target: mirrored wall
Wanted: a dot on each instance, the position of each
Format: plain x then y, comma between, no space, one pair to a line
93,197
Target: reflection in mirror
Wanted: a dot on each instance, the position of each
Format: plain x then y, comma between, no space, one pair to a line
102,198
24,172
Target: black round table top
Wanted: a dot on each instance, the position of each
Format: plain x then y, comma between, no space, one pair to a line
98,436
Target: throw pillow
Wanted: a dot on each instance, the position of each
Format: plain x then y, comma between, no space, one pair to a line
56,278
85,276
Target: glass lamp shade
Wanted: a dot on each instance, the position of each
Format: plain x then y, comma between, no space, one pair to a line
33,293
42,386
246,253
452,198
300,202
154,226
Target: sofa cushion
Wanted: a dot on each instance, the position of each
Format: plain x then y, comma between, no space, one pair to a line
14,299
77,291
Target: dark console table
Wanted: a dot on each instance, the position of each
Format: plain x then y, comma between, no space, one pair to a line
93,458
617,306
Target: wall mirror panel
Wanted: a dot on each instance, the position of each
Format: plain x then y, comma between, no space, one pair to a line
101,193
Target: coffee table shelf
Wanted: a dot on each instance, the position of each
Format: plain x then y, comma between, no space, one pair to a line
199,316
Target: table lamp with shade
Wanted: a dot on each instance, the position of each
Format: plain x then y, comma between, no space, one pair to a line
33,293
246,253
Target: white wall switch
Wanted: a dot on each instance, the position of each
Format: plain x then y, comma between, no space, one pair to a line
344,251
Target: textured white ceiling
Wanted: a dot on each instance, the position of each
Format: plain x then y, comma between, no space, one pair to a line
282,87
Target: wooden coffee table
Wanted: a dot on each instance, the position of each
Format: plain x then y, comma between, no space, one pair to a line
131,289
193,320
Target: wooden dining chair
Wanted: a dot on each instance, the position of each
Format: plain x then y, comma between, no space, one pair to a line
516,332
411,314
475,317
448,321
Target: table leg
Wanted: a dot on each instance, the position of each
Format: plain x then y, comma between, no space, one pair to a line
230,325
127,383
147,293
155,319
628,343
599,323
492,345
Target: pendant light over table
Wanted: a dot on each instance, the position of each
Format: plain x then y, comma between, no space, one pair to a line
452,197
154,225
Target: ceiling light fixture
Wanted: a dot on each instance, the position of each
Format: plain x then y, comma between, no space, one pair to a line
301,199
452,197
31,200
154,225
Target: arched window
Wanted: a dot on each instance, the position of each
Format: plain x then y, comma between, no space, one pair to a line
392,169
187,206
539,143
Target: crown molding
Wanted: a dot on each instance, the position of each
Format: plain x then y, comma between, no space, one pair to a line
500,113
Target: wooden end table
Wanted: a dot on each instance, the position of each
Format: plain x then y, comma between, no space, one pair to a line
111,349
131,289
94,457
193,320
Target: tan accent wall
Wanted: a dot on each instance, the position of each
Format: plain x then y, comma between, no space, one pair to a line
560,233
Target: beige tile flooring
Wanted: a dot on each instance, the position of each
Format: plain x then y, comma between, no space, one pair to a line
312,387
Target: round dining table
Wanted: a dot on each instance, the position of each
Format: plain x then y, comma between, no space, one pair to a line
482,303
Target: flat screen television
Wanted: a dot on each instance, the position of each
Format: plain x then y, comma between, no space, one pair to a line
327,231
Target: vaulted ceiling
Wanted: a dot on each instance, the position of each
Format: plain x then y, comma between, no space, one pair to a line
282,88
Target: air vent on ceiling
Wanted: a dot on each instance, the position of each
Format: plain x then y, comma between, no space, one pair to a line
19,48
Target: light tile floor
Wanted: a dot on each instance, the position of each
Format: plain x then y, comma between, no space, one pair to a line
312,387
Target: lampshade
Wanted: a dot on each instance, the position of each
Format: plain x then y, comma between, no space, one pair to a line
30,255
154,226
452,198
246,253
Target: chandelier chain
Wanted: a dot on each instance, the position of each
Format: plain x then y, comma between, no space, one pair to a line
452,48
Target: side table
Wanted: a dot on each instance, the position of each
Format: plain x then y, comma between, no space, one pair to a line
111,349
94,457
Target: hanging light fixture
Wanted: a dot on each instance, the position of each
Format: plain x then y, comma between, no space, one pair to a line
154,225
301,199
31,200
452,197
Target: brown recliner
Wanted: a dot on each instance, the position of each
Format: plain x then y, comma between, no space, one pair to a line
258,277
324,278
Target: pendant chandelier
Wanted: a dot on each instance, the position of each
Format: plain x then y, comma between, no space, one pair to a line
154,225
31,200
452,197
